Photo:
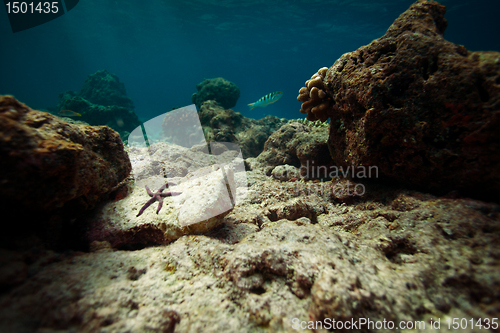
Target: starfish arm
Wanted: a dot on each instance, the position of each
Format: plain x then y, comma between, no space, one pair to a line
150,201
151,194
160,204
171,184
169,194
164,186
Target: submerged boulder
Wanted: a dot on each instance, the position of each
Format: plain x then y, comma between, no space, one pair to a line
52,171
423,110
104,88
102,100
218,89
301,146
46,162
225,125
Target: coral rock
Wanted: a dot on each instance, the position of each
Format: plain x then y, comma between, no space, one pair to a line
104,88
226,125
46,162
300,146
102,101
285,172
315,102
218,89
423,110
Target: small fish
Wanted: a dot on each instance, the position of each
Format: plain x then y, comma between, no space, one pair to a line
69,113
266,100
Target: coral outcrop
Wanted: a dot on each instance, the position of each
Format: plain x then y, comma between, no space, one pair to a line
226,125
48,165
104,88
46,162
218,89
424,110
315,102
102,100
300,146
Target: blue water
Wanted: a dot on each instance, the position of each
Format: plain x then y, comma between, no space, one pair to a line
161,49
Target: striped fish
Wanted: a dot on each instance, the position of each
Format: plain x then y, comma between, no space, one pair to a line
266,100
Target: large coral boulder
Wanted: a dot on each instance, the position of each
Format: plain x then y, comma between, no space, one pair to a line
424,110
46,163
225,92
102,100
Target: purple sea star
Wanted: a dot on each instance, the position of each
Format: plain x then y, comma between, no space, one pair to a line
157,196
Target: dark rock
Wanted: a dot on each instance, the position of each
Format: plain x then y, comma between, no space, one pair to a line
102,101
218,89
13,269
423,110
105,89
46,163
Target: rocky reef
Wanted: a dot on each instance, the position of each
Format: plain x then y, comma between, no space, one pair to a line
47,164
292,253
102,100
218,89
287,255
296,150
225,125
423,110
